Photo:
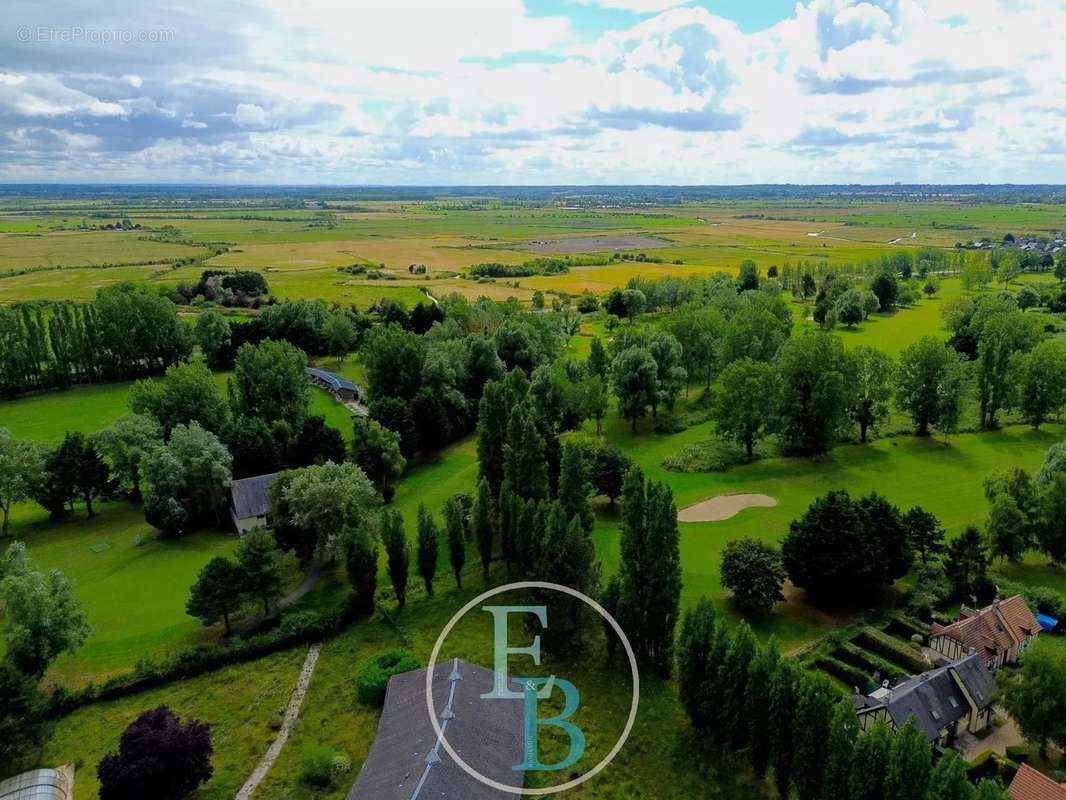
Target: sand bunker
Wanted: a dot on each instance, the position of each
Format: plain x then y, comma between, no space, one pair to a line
724,506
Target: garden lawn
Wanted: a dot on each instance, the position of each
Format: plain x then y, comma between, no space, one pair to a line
944,478
241,703
662,740
133,595
47,416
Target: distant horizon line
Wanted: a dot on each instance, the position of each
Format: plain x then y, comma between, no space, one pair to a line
313,185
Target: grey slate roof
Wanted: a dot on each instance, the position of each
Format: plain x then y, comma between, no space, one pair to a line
251,496
934,699
335,381
402,763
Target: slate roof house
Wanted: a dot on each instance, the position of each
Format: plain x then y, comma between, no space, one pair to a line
250,502
940,701
406,762
999,632
1029,784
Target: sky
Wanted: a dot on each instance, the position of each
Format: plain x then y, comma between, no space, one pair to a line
475,92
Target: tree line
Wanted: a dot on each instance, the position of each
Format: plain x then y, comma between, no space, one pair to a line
795,727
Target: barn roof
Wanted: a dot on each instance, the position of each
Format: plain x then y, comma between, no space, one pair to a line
332,379
407,763
251,496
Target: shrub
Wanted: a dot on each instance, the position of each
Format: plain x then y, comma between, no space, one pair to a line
321,767
1018,753
158,756
868,662
712,455
374,678
296,627
853,677
891,649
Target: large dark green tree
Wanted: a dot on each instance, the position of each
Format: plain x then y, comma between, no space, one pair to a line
695,648
843,549
753,571
872,378
635,381
757,705
840,747
218,592
524,464
910,765
743,401
927,374
398,553
814,709
270,383
814,394
428,547
574,485
949,780
650,569
869,765
264,567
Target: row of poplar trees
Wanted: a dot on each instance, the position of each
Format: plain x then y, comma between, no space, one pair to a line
796,726
539,518
126,332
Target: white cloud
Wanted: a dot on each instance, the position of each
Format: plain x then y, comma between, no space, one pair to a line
413,91
249,116
637,6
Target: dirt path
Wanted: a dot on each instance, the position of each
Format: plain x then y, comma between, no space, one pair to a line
292,715
723,507
308,584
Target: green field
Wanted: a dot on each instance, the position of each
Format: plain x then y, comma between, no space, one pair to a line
134,585
242,722
133,594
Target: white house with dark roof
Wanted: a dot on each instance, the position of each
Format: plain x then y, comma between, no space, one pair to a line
250,502
943,702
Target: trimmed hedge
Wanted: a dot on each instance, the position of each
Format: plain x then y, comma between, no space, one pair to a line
868,661
991,765
295,628
905,626
374,677
891,649
846,672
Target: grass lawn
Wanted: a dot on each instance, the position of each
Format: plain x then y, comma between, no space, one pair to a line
943,478
661,740
134,595
241,722
47,416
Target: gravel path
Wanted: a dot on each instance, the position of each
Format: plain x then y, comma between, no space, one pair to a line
307,585
292,715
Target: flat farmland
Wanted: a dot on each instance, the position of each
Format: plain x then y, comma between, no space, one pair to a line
301,249
86,249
